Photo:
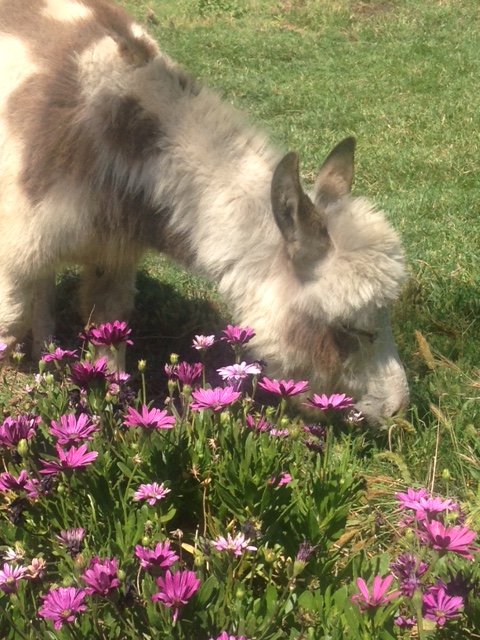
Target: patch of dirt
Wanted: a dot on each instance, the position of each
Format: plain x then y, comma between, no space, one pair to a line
371,9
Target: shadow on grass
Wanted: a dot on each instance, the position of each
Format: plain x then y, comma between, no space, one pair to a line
164,321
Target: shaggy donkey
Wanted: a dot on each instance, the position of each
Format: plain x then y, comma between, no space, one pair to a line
107,148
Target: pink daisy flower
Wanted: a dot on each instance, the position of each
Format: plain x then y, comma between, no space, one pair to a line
149,418
62,605
73,429
377,597
176,589
236,545
74,458
283,388
215,399
335,402
151,492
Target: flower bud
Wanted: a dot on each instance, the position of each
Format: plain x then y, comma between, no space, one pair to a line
446,475
142,365
22,448
174,357
121,575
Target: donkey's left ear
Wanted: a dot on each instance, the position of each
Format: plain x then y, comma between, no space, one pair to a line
335,178
293,210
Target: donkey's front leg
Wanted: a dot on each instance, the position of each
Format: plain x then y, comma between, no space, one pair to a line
108,294
43,313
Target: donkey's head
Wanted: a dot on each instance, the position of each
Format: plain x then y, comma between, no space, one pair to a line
344,269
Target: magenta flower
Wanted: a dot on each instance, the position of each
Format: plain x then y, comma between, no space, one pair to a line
430,508
10,575
15,429
73,429
201,343
411,499
236,545
238,372
159,558
215,399
59,355
3,348
236,335
62,605
151,492
260,424
84,374
335,402
72,459
281,479
279,433
8,482
283,388
101,576
441,538
225,636
109,334
409,569
176,589
189,373
378,597
439,607
149,418
405,623
72,539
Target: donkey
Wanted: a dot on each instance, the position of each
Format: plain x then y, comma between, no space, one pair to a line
108,149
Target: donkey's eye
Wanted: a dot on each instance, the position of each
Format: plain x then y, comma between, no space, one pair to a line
360,333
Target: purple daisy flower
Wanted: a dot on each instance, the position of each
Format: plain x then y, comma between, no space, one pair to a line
148,418
62,605
59,355
441,538
236,335
439,607
176,589
73,429
409,569
109,334
225,636
8,482
335,402
72,539
10,576
283,388
189,373
281,479
411,499
101,576
159,558
202,343
84,374
235,545
238,372
15,429
74,458
260,424
151,492
215,399
378,597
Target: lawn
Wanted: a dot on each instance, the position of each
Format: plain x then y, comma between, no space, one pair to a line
270,523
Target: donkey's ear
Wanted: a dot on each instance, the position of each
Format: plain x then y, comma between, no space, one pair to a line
293,210
335,178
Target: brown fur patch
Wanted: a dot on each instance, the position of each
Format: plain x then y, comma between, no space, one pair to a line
132,131
45,111
315,343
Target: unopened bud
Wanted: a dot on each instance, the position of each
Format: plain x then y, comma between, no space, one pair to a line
142,365
174,358
22,448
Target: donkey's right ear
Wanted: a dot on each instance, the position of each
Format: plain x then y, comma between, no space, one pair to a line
335,178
